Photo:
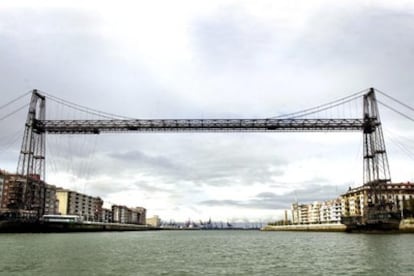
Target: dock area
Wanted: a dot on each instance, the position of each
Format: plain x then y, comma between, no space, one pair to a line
406,226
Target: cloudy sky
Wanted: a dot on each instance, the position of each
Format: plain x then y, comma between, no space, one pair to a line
207,59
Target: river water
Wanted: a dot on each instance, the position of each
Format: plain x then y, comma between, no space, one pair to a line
206,253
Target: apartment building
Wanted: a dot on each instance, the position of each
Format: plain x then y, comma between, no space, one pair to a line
391,195
51,202
123,214
22,195
315,212
331,211
106,215
300,213
74,203
354,203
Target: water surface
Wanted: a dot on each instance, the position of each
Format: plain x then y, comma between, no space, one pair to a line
206,253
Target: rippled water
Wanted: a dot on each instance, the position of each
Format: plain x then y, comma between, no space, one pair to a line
206,253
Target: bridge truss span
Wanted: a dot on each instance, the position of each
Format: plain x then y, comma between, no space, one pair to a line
375,162
197,125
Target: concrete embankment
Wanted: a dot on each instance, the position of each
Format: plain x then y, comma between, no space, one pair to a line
406,226
53,227
329,227
93,227
307,227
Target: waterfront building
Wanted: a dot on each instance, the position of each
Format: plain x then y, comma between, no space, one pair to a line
315,212
331,211
106,215
154,221
141,217
22,195
119,214
391,195
29,197
41,196
300,213
394,197
51,201
123,214
74,203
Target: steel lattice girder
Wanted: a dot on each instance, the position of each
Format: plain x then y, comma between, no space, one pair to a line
197,125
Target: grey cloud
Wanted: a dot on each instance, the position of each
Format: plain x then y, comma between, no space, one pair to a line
272,201
151,187
217,170
314,192
140,159
230,38
172,163
103,188
372,41
65,53
266,204
266,195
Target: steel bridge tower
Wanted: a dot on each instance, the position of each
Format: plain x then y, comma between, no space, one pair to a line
376,167
31,163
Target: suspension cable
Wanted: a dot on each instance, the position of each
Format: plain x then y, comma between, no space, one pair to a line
394,99
305,112
81,109
13,112
11,142
323,107
396,111
15,100
395,140
327,107
85,109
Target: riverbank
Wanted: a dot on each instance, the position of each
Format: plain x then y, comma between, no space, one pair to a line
56,227
326,227
406,226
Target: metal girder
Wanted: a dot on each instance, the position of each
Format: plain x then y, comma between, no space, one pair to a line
198,125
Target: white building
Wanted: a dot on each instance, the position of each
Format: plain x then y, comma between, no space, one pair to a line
317,212
331,211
